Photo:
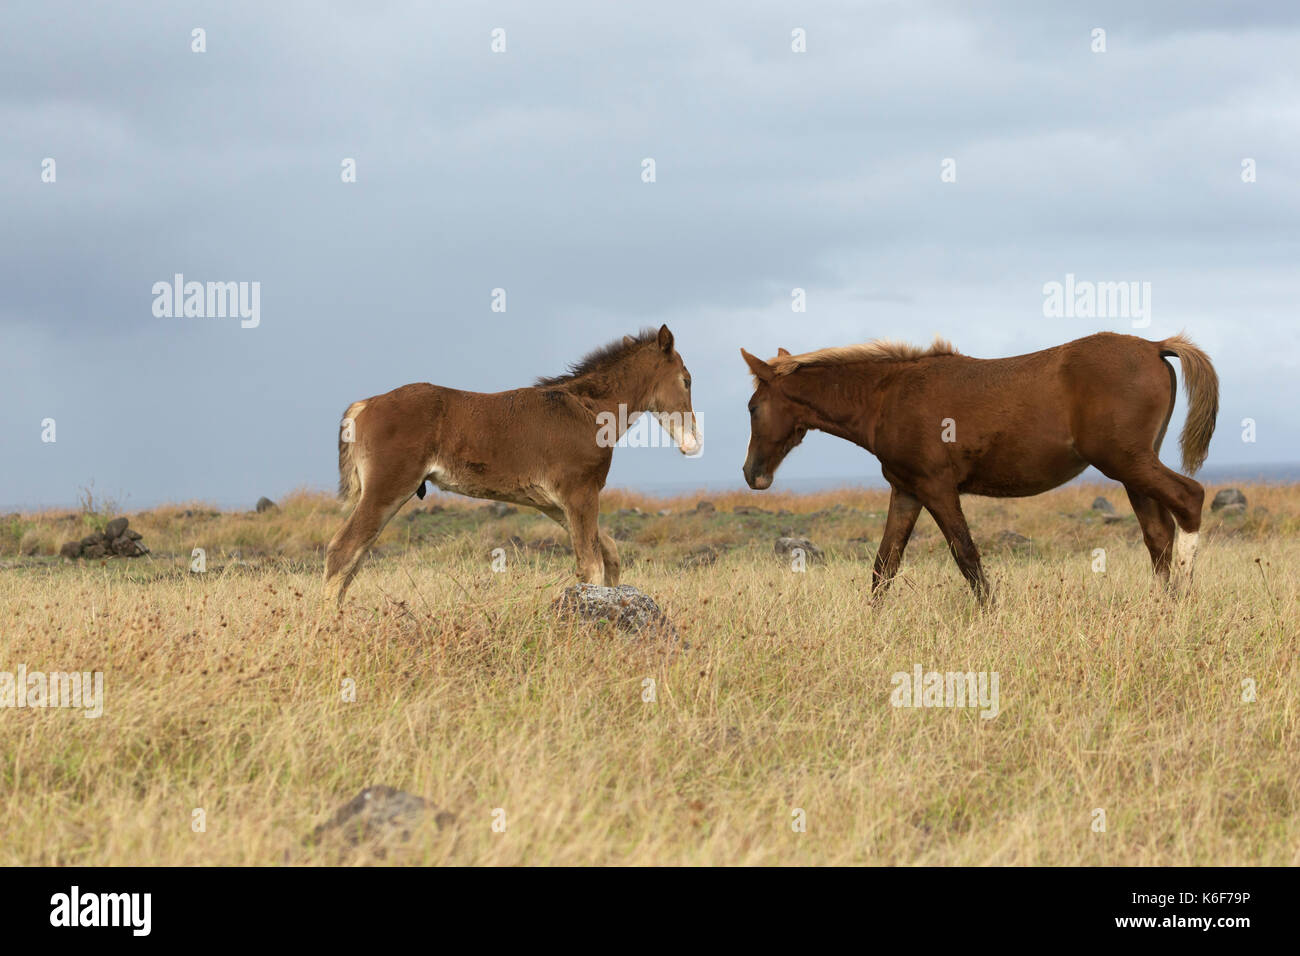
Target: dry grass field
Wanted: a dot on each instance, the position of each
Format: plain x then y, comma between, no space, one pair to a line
218,697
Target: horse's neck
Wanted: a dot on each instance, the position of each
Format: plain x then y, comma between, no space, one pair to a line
837,401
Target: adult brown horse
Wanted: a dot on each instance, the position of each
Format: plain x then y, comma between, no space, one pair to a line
943,424
548,447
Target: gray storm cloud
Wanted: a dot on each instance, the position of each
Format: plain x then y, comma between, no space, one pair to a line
521,170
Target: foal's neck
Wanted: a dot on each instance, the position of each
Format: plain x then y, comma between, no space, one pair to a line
625,384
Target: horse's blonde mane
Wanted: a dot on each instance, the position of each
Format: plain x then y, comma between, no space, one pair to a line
877,350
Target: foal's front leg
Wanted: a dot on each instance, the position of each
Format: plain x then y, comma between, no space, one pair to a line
580,514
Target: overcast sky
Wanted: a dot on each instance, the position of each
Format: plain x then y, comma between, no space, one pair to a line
522,170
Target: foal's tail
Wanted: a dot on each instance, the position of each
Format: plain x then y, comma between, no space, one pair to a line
349,477
1201,383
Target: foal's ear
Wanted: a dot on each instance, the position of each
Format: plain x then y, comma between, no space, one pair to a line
665,339
781,352
762,371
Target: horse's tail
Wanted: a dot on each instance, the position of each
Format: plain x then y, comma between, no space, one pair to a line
349,477
1201,383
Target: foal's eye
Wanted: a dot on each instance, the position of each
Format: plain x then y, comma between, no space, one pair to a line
753,409
688,383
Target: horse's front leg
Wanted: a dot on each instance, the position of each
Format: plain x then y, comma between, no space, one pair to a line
903,512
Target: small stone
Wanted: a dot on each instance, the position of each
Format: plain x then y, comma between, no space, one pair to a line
785,547
1102,505
624,606
499,509
265,504
700,558
1014,540
1226,497
377,813
71,550
705,507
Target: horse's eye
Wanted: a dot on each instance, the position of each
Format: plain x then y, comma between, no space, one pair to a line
688,385
753,409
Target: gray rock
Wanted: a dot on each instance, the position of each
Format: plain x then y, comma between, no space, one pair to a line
499,509
624,606
124,547
115,528
265,504
700,558
705,507
1014,540
1102,505
1236,508
1226,497
95,551
749,510
71,550
380,812
90,540
785,547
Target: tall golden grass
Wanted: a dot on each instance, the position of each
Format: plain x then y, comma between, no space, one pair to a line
1114,696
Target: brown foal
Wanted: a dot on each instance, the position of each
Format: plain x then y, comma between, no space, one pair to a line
943,424
548,447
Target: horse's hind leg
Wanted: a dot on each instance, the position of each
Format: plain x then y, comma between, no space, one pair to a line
903,512
1182,496
945,507
1158,530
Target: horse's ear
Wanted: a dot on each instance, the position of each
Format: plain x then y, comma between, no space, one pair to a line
665,339
762,371
628,340
780,352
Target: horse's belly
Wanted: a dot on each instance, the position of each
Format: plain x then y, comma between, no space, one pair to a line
1016,475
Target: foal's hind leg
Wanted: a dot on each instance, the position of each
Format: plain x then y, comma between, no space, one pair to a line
348,548
1157,530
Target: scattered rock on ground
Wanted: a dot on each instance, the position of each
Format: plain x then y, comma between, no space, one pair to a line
705,507
749,510
499,509
1102,505
700,558
1013,540
380,813
1226,498
624,606
265,504
785,547
117,539
1233,509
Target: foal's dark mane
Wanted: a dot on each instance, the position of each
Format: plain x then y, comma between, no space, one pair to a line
598,360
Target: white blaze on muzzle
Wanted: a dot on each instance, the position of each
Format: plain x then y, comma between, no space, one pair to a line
684,429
